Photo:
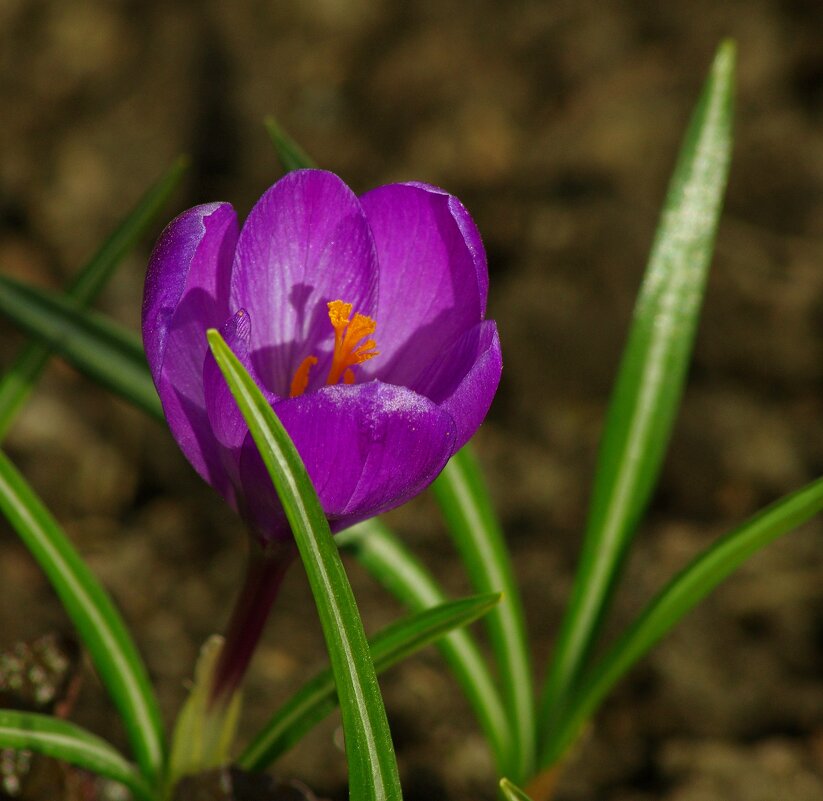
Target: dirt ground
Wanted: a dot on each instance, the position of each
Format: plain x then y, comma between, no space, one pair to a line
557,124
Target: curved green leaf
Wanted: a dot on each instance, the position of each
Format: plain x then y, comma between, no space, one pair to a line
677,598
401,573
93,613
317,698
18,381
62,740
472,523
98,347
651,377
369,750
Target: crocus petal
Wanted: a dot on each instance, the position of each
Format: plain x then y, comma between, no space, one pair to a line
464,378
433,276
367,448
305,243
224,417
186,293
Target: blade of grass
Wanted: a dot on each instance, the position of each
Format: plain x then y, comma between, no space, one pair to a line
369,749
98,347
401,573
94,615
290,154
62,740
677,598
317,698
473,526
17,383
651,377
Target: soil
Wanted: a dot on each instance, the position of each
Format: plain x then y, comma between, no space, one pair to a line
557,124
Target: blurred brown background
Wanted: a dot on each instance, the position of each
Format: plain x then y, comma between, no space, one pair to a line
557,123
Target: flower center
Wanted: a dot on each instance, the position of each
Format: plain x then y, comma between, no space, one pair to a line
349,349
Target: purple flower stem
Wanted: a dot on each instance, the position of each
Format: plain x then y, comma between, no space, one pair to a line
265,570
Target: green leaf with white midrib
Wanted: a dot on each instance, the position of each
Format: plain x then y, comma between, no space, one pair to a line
106,352
473,526
65,741
369,749
19,379
98,623
650,380
391,563
317,698
678,597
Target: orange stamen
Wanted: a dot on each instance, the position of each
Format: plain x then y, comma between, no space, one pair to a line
349,350
301,376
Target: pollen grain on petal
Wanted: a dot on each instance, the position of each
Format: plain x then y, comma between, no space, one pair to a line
301,377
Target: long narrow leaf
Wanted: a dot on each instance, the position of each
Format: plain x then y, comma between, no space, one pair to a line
62,740
317,698
678,597
96,346
18,381
291,155
397,569
651,376
91,610
369,749
472,523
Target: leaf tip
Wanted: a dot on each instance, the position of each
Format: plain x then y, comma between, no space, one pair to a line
181,163
725,58
511,791
214,338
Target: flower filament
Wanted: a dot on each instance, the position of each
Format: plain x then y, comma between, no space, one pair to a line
349,348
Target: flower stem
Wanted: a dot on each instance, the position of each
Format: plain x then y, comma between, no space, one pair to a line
265,570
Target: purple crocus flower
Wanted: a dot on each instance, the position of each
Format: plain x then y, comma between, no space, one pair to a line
361,319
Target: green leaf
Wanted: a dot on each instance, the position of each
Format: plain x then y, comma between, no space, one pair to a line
106,352
291,155
17,383
651,377
317,698
204,731
94,615
396,569
369,750
677,598
511,792
62,740
472,523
